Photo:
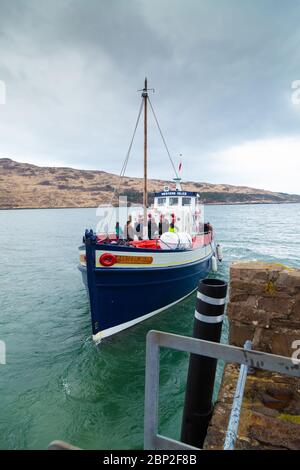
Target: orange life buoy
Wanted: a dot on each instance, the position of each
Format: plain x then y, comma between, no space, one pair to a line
107,259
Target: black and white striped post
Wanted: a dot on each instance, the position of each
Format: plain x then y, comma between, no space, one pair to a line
209,313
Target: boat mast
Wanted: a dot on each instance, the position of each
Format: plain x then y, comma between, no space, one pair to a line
145,192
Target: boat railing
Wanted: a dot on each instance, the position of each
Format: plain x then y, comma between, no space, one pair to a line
204,238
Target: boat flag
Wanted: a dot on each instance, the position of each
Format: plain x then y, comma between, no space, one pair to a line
180,164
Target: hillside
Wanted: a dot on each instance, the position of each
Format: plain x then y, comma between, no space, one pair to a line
23,185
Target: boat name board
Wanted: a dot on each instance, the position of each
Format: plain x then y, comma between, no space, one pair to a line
111,259
175,193
134,259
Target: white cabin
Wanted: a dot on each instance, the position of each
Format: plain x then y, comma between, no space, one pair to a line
176,199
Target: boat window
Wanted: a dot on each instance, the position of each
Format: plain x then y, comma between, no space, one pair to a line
161,201
186,201
173,201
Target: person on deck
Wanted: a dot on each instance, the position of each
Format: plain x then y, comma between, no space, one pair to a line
207,227
128,230
172,228
160,225
118,230
163,225
138,228
152,227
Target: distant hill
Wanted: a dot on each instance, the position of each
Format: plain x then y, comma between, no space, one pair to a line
23,185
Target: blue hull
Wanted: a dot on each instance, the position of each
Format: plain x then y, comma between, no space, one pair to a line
121,297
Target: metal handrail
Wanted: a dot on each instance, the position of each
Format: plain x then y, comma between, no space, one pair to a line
157,339
234,419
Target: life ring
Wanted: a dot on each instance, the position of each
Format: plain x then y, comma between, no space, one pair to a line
145,244
107,259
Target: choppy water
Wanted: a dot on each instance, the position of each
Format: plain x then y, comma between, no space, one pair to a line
56,384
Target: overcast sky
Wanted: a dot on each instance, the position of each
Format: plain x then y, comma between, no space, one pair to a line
222,72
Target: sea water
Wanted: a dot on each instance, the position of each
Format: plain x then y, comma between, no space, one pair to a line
56,384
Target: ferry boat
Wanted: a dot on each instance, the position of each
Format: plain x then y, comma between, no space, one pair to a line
158,260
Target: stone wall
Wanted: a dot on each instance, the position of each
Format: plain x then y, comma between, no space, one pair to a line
264,306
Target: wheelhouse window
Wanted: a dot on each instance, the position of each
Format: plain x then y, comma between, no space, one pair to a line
186,201
161,201
173,201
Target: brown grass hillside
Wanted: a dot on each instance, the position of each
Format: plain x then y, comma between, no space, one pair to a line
23,185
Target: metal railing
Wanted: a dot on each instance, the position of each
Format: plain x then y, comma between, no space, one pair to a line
246,357
234,419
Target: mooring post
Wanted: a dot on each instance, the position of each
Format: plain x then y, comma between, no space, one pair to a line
209,313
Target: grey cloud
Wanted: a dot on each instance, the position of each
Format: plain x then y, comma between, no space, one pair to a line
222,72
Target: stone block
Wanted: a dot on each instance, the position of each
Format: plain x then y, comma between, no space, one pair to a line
264,306
270,415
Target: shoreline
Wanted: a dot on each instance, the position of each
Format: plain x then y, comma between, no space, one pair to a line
205,204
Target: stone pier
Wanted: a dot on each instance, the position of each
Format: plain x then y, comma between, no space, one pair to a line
264,306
